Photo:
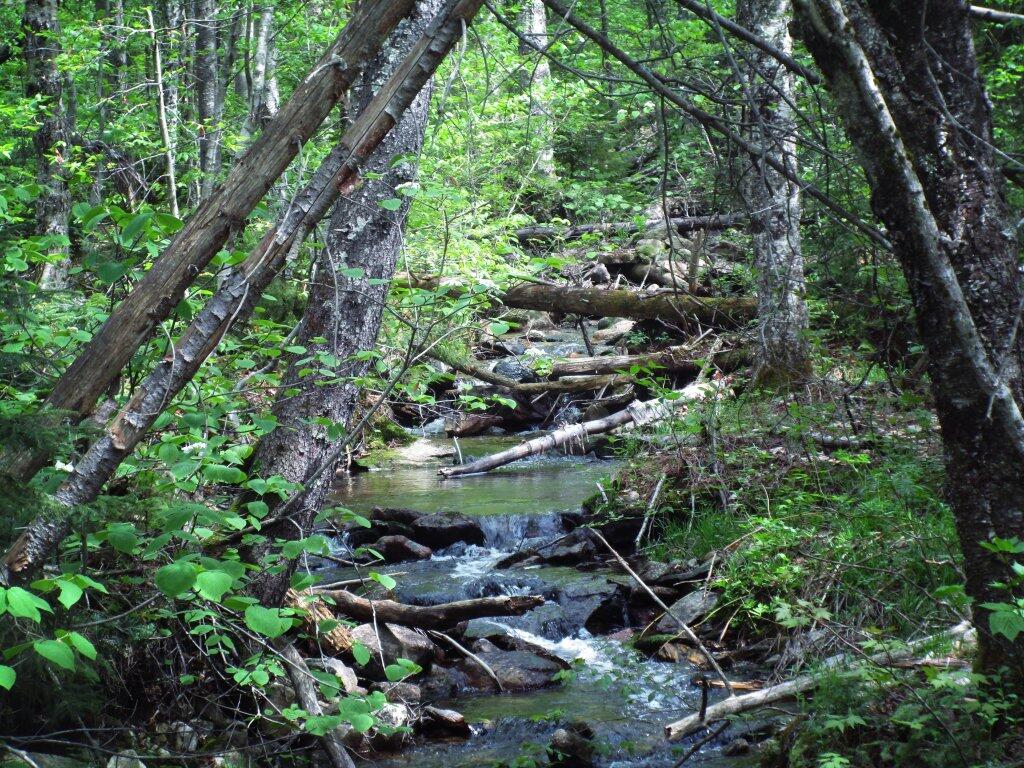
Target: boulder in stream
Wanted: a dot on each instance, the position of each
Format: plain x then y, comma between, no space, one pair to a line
688,609
517,670
443,529
572,747
437,723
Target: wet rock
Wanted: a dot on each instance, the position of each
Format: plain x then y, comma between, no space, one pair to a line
511,368
394,642
572,747
548,621
443,682
688,609
401,549
595,604
436,723
736,747
517,670
442,530
469,424
394,723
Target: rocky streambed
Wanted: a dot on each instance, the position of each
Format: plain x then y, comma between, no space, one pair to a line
573,688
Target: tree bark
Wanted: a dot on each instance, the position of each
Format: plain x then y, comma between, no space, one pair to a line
237,297
675,309
440,616
674,360
207,90
534,21
205,232
44,82
907,88
265,100
344,306
783,354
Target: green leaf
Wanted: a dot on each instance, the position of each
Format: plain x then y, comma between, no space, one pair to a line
1009,624
122,537
221,473
135,226
111,271
213,584
70,593
7,676
175,578
384,580
391,204
266,621
56,652
361,654
361,723
23,604
401,669
82,644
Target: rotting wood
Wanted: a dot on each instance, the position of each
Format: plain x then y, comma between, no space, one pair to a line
679,359
638,412
802,684
435,617
338,638
305,686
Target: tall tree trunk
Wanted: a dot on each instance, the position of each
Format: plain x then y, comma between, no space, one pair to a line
344,309
208,228
906,84
207,91
45,83
774,201
263,103
173,42
534,22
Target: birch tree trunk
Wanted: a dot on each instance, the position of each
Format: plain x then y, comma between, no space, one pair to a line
783,355
344,308
174,42
263,103
207,90
533,20
906,85
50,141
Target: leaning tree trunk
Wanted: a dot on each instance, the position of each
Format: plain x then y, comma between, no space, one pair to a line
906,83
44,82
344,307
534,21
783,353
128,327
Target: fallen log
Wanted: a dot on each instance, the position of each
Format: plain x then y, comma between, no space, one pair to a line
673,360
802,684
637,412
429,617
305,686
662,305
665,305
336,639
680,225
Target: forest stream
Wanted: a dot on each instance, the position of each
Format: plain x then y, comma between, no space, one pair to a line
623,696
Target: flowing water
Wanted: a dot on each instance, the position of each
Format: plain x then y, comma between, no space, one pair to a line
623,696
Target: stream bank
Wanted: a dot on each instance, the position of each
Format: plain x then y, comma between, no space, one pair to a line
619,696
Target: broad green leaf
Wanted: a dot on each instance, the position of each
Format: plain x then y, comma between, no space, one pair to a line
221,473
213,584
55,651
266,621
82,644
175,578
361,654
70,593
361,723
7,676
391,204
24,605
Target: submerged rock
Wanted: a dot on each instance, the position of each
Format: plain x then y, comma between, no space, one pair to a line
517,670
572,747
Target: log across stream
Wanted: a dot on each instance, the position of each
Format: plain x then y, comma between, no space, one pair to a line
625,697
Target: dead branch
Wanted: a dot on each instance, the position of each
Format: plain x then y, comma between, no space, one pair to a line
429,617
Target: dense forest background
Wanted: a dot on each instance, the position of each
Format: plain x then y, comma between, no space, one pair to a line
251,251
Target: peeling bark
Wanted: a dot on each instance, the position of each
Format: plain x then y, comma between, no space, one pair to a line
774,200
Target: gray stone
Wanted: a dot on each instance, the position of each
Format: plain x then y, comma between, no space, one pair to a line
517,670
688,609
400,549
395,642
439,723
442,530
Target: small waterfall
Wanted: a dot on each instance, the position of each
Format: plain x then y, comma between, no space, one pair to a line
508,532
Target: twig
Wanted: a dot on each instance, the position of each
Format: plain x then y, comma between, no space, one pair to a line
469,654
